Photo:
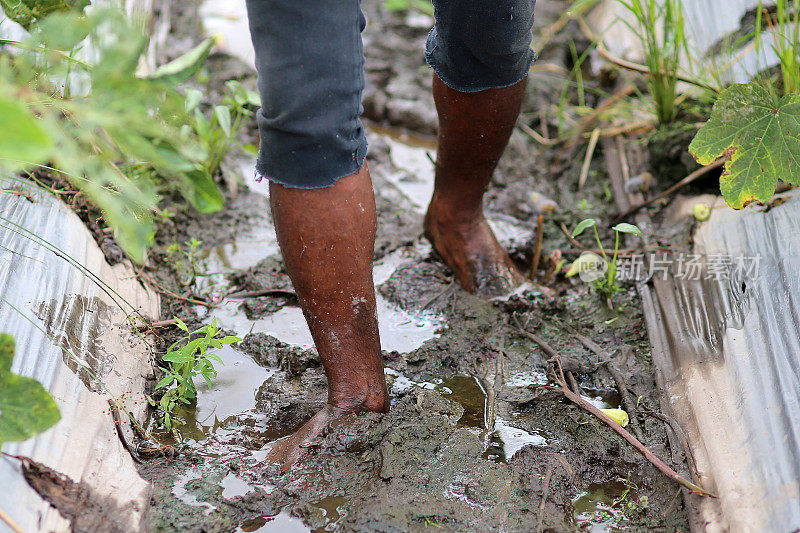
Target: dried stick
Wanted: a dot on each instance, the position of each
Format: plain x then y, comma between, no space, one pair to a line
685,181
546,348
159,324
537,252
587,161
262,292
7,519
650,456
437,295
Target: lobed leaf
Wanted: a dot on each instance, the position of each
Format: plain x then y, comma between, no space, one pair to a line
761,134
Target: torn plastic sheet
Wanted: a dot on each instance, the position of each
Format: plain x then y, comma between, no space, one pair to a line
67,310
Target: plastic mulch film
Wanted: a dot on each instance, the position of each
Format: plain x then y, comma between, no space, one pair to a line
68,310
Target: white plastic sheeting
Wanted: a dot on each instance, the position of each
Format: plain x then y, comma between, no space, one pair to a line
727,346
52,306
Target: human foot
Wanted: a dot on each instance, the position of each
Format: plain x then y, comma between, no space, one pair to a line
288,451
469,247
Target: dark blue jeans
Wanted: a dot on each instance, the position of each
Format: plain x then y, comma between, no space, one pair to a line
310,63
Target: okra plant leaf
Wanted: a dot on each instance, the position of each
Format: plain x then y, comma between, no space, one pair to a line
582,225
26,408
761,134
624,227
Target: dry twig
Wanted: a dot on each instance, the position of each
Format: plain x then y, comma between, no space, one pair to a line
650,456
685,181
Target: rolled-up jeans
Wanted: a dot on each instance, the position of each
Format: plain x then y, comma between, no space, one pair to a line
310,63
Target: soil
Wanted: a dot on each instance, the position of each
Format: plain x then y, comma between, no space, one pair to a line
475,439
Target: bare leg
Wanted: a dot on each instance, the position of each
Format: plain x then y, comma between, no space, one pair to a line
473,132
327,238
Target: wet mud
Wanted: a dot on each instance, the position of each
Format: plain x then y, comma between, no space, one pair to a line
475,440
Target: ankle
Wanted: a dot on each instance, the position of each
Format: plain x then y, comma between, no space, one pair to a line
446,214
359,399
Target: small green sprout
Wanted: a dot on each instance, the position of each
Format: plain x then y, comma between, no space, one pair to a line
607,285
191,359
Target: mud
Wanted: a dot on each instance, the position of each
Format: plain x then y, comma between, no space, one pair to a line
475,440
77,502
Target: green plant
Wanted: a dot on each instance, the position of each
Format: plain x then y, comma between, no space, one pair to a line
759,133
785,30
659,26
26,408
185,261
607,285
26,12
116,130
186,358
404,5
219,131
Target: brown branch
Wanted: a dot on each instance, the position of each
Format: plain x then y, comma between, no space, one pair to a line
650,456
685,181
159,324
546,348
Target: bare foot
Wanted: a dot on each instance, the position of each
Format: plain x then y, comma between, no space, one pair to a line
470,248
289,450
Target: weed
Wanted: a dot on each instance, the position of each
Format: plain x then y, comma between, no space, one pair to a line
659,26
186,358
218,132
105,128
785,30
185,261
607,285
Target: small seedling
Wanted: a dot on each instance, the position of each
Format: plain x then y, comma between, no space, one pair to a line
186,261
607,285
186,358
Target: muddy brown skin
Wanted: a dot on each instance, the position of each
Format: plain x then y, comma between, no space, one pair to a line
328,255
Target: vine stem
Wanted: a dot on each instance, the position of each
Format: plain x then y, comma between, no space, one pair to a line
650,456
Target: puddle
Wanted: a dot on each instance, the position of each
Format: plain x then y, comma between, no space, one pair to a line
280,523
398,383
233,486
605,507
400,331
506,440
240,374
180,491
602,398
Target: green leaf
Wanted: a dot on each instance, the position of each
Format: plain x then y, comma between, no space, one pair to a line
178,357
193,99
181,324
223,114
587,223
229,339
761,134
26,12
22,136
26,408
624,227
184,67
166,380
